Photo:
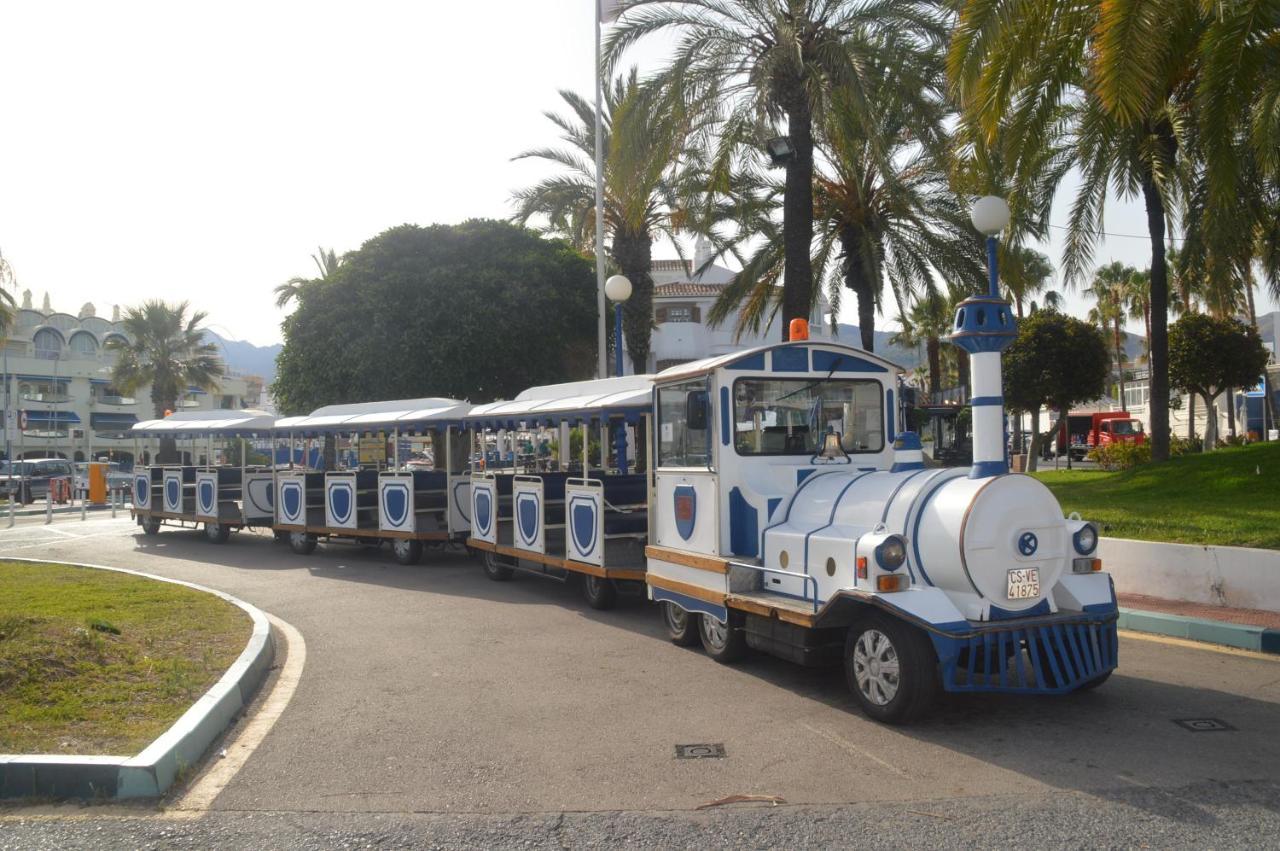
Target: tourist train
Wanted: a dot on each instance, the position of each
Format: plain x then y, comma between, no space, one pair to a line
766,499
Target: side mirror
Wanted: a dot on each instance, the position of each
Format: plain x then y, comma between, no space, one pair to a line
695,410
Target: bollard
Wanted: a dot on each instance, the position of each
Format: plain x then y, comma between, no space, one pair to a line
114,495
11,509
48,505
84,504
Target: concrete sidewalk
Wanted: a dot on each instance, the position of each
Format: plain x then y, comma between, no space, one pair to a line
1247,629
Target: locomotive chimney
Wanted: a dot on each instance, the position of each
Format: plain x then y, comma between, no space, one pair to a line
984,327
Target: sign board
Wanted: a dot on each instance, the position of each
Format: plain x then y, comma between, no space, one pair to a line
373,450
10,425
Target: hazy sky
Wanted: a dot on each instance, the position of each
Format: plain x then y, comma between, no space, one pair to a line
204,152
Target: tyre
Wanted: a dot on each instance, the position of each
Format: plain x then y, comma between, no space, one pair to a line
599,591
724,642
280,536
216,533
891,668
682,626
407,550
151,525
1092,684
302,543
495,569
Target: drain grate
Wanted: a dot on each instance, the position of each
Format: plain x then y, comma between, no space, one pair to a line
1202,725
712,751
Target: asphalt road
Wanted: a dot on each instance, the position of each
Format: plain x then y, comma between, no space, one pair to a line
437,708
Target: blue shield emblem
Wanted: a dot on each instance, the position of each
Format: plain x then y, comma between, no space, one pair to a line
271,494
340,502
396,502
142,490
527,511
484,510
206,496
291,493
685,501
172,492
582,514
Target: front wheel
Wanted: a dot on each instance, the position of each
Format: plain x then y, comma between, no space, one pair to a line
302,543
216,533
599,591
724,642
407,550
495,569
891,669
151,525
682,626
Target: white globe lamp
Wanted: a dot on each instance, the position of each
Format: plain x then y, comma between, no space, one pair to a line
618,288
990,215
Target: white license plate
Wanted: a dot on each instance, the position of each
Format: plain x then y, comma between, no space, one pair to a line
1024,583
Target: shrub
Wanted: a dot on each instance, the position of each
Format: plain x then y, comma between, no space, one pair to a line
1120,456
1184,446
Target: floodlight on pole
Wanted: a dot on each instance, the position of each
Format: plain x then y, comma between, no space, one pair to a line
780,150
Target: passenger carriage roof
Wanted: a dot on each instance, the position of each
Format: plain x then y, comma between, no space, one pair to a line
245,422
627,396
826,356
405,414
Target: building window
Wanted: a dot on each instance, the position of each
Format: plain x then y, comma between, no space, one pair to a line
83,343
1136,394
48,344
228,402
678,313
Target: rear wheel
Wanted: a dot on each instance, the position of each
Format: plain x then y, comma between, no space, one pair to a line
891,669
216,533
724,642
302,543
151,525
407,550
682,626
495,569
599,591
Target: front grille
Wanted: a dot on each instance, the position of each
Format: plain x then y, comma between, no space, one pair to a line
1036,658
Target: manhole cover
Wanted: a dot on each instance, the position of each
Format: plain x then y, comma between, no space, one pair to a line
715,751
1202,725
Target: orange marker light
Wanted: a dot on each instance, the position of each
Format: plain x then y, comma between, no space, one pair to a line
892,582
1097,565
862,567
798,330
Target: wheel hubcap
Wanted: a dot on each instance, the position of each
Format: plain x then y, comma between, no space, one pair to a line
875,667
402,548
716,633
677,618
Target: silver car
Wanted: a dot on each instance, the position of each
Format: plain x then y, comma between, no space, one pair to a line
28,480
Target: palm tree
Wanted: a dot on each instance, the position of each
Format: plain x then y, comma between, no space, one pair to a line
166,349
7,303
757,64
927,323
1137,296
883,207
1025,273
644,140
327,262
1109,288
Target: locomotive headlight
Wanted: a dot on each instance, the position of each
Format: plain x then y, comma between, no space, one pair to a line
892,552
1085,539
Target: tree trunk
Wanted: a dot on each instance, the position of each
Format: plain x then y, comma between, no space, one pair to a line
329,453
1115,323
1017,303
1210,424
168,451
1146,317
1191,416
1033,453
797,212
933,349
962,372
854,272
1231,412
632,251
1159,310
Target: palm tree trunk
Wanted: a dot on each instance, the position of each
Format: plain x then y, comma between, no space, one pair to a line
1146,318
797,212
632,251
933,349
1115,323
854,272
1159,309
962,372
167,453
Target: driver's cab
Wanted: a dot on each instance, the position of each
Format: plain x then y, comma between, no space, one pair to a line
737,434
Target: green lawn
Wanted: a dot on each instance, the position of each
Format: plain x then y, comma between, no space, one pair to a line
1231,496
98,662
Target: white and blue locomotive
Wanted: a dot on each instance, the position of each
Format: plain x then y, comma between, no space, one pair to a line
789,517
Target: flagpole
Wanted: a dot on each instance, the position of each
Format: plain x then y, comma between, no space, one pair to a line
602,365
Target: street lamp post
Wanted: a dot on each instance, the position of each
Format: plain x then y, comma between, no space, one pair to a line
618,289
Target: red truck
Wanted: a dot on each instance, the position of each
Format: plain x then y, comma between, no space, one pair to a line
1082,432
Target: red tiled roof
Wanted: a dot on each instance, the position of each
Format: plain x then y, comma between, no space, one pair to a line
686,289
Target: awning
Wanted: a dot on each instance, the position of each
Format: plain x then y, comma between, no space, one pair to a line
40,418
230,423
625,397
408,415
111,422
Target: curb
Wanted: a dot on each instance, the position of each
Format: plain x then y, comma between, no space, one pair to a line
152,772
1244,637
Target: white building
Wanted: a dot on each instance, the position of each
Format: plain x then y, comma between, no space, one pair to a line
681,302
59,387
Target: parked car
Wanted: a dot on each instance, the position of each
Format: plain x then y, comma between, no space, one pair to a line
117,478
28,480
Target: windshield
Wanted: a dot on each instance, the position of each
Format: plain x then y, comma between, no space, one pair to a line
789,416
1126,427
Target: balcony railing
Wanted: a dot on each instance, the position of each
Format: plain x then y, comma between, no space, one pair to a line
120,401
188,403
48,398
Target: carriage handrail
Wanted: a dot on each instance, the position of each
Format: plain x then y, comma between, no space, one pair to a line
804,576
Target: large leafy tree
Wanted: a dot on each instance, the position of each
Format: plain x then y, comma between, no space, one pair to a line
166,349
480,310
759,66
1056,361
644,142
1208,355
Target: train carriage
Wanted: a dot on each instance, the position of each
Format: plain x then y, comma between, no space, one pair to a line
565,517
223,492
789,517
375,497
